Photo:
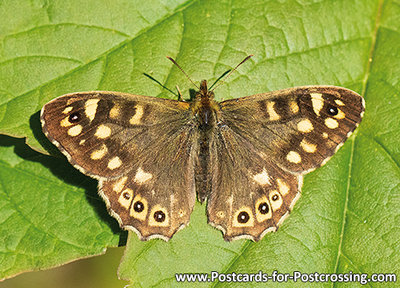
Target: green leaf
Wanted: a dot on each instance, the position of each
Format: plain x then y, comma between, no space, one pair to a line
49,213
348,216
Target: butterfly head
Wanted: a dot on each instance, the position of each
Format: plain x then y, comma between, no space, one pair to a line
203,92
204,107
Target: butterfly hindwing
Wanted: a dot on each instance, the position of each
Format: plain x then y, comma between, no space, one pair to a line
139,148
250,195
156,204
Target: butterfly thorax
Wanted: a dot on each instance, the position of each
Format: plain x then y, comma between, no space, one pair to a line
204,108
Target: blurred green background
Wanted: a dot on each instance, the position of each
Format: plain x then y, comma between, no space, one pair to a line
93,272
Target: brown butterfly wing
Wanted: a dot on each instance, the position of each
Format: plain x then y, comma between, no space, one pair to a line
140,150
155,199
264,144
250,195
298,128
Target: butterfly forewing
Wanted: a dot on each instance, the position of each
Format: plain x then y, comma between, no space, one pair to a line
298,128
102,132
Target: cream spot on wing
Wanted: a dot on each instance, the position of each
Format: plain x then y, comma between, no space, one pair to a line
65,122
294,107
305,126
153,216
120,184
273,116
275,199
339,102
75,131
262,215
125,199
307,146
91,108
262,178
325,135
67,109
331,123
340,114
283,187
244,210
317,102
135,120
82,142
115,111
139,202
221,214
103,132
114,163
293,157
100,153
142,176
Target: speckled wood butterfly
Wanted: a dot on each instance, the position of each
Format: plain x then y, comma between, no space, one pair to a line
246,156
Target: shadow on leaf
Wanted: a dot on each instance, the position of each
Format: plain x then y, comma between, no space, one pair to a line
60,168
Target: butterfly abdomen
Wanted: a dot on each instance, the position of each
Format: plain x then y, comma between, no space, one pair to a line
203,168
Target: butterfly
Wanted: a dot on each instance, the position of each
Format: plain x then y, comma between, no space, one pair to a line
246,157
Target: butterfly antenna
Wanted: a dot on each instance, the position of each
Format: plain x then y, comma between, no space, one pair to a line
187,76
220,77
159,83
229,73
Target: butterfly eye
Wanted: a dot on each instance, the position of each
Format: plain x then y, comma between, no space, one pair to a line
138,206
332,110
243,217
159,216
263,208
74,117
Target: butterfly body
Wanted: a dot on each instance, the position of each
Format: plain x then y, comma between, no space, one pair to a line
205,110
245,156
